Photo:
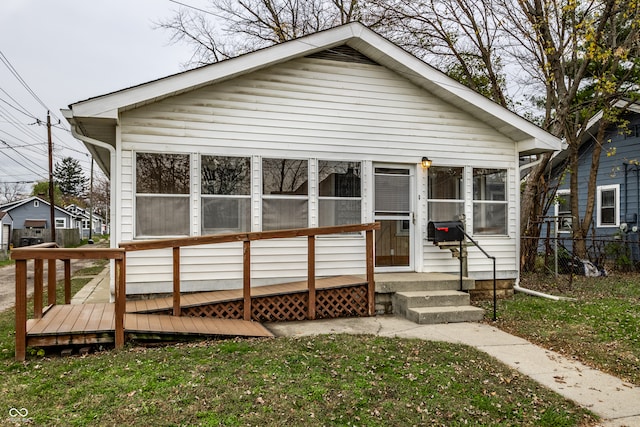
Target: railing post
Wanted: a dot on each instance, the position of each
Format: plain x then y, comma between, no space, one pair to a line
371,285
120,266
51,282
38,272
21,309
176,281
246,278
67,281
311,276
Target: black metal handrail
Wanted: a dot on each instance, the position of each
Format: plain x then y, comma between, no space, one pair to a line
495,298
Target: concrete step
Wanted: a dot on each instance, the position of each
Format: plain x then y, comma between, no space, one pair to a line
434,315
406,282
446,298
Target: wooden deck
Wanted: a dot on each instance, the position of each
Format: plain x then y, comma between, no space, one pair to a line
95,323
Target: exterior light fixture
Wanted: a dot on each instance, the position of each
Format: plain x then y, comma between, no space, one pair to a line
426,163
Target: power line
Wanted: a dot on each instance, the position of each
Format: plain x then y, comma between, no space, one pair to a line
17,75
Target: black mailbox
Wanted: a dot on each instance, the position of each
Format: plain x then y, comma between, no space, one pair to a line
445,231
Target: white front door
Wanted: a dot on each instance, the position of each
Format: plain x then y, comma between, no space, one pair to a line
393,208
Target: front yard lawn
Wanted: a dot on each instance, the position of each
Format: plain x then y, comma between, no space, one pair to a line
601,328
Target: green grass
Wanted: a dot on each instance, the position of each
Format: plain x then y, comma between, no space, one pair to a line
601,328
336,380
328,380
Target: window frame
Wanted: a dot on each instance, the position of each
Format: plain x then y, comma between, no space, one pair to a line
225,197
616,206
63,221
435,201
303,197
491,201
136,195
321,198
560,215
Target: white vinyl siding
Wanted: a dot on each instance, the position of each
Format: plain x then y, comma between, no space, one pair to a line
310,109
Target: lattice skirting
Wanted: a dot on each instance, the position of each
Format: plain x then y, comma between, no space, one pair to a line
330,303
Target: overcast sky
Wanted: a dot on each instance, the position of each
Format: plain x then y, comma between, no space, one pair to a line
67,51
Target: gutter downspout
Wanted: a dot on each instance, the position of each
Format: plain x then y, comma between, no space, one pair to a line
112,223
517,288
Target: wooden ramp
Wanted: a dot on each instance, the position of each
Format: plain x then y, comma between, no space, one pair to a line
215,297
183,325
216,313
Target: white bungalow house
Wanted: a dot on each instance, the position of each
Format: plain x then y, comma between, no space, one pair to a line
323,130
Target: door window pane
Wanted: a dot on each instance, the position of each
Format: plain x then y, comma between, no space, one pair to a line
392,192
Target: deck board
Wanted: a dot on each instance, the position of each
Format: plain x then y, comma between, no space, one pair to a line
182,325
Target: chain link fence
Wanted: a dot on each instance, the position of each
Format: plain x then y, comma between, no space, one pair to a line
554,255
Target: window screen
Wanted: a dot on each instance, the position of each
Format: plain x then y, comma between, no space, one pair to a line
162,194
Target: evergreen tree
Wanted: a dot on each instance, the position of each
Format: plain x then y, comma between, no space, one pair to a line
70,179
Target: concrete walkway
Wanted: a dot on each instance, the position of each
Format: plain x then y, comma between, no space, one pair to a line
616,402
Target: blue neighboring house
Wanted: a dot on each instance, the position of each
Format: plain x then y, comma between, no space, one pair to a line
34,213
617,208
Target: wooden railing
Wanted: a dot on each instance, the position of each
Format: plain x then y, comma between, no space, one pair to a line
246,239
51,253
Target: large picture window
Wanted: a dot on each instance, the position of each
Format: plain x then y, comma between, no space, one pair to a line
226,194
162,194
608,205
490,201
285,194
446,193
339,194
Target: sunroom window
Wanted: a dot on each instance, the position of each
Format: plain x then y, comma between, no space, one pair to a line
162,194
226,194
339,195
490,201
285,194
446,193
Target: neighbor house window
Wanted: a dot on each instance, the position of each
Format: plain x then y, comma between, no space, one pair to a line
608,205
162,194
285,195
490,201
563,211
226,194
61,223
85,223
339,194
446,193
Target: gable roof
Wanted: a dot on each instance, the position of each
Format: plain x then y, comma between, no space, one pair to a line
593,125
95,118
13,205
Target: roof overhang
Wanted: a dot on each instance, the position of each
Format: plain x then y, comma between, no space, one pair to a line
96,118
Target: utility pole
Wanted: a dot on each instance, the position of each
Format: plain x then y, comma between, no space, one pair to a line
51,192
